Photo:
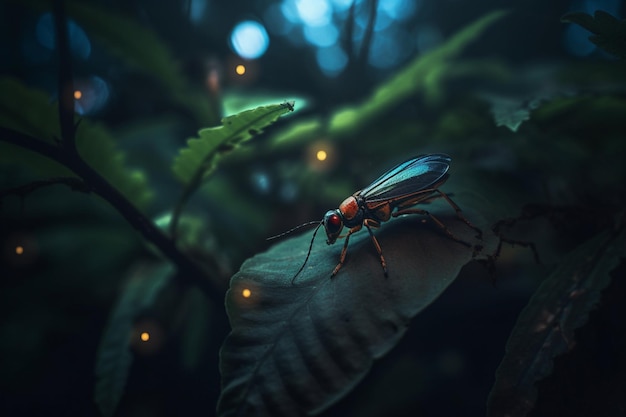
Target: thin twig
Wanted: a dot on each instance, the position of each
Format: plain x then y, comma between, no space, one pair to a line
369,33
75,184
66,83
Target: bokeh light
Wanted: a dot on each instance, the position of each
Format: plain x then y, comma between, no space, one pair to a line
388,48
321,156
197,10
148,336
313,12
319,23
80,46
246,293
240,69
399,9
91,95
340,6
261,181
276,21
249,39
321,36
383,21
288,191
331,60
19,250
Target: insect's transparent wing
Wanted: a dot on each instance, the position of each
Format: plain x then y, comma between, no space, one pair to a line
419,173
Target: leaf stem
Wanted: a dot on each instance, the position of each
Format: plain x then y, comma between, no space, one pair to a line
208,163
188,191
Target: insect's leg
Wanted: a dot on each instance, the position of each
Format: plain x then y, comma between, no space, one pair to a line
371,223
436,220
459,214
342,257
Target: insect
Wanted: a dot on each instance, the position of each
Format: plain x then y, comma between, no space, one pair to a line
393,194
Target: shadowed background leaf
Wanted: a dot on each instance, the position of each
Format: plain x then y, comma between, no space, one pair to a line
609,32
545,328
296,349
114,357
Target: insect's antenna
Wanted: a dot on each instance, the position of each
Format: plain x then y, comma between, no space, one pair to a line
308,253
295,228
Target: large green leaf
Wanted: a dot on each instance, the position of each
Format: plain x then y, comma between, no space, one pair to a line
546,326
199,158
114,356
29,111
295,349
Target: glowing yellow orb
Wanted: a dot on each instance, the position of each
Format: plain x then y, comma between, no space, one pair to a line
240,69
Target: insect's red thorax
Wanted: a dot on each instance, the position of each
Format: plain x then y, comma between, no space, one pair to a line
349,208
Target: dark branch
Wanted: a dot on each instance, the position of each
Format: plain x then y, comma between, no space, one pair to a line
75,184
190,271
369,33
32,144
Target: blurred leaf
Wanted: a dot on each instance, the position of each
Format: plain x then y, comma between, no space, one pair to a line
297,349
29,111
609,32
512,111
140,48
200,157
425,74
114,357
546,326
509,113
237,101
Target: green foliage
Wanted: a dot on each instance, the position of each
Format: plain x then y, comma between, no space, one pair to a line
546,326
426,74
298,348
28,111
200,157
114,356
609,33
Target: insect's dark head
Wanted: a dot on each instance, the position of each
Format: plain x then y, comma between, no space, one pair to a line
333,223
